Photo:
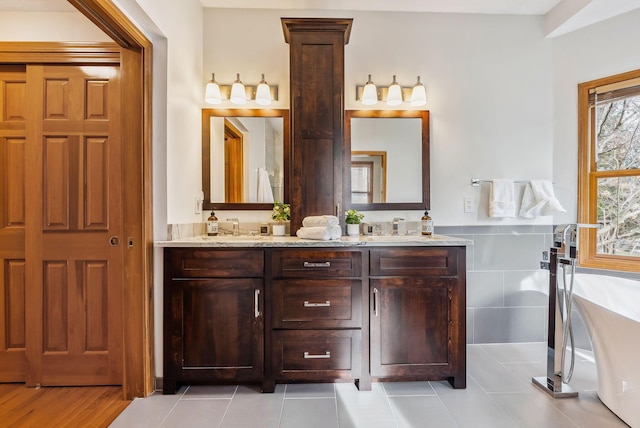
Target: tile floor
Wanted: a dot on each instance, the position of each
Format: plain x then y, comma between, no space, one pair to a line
499,394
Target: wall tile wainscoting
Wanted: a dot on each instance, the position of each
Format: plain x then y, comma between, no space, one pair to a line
507,292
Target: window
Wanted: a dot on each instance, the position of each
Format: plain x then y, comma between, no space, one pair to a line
609,172
361,182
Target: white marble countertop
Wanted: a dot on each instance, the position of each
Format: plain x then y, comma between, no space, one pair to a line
294,241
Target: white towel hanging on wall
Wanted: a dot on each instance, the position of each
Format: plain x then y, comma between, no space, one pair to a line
539,199
502,199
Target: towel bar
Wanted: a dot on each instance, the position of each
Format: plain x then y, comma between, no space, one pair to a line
475,182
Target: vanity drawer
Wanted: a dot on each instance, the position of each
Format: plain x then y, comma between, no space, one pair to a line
434,261
315,354
316,263
214,263
317,303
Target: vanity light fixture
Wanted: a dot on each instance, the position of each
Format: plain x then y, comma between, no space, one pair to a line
418,94
370,93
394,95
263,94
239,93
212,91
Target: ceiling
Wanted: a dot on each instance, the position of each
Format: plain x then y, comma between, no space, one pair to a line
514,7
560,16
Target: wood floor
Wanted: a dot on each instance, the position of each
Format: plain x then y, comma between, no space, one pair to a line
87,406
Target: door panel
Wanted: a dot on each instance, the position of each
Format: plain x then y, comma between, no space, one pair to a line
76,336
12,222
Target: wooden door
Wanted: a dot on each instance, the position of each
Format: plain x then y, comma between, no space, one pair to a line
13,132
233,163
74,327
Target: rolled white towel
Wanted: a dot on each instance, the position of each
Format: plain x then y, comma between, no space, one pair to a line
320,220
319,233
336,232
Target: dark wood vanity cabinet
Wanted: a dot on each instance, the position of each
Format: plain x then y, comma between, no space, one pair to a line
316,314
279,315
417,316
213,316
317,112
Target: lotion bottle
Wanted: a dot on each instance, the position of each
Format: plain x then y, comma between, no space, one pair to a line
427,224
212,225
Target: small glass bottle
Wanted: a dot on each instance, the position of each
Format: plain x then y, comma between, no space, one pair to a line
212,225
427,224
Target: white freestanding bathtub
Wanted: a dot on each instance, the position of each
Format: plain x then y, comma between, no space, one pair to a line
610,308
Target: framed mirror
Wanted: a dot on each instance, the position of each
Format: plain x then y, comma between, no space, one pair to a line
389,159
245,158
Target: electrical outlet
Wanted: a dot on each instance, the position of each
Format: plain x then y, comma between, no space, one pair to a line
468,204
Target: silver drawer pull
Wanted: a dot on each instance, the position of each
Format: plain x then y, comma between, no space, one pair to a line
375,301
317,264
257,303
327,354
317,305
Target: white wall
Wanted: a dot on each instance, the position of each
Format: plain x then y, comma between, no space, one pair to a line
48,27
488,79
181,23
604,49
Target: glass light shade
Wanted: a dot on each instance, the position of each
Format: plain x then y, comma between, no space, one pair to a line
370,93
212,91
394,95
263,93
238,93
418,94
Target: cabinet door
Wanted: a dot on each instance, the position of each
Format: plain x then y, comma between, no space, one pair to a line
216,330
410,327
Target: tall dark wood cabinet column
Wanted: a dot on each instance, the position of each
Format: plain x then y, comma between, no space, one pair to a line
317,111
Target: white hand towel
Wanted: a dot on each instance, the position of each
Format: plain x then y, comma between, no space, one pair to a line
320,220
265,194
539,199
320,233
502,199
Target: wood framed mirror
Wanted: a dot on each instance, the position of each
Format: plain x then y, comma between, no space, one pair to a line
387,158
245,158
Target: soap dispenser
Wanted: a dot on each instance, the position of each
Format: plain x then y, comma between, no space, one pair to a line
212,225
427,224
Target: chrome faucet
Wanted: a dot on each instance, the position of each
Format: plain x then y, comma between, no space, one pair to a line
396,221
236,226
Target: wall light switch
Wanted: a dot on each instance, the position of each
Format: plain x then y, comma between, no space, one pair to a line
468,204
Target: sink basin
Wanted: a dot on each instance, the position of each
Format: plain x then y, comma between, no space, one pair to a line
231,238
398,238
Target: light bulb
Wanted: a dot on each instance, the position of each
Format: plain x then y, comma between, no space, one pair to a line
418,94
238,93
212,91
394,95
370,93
263,93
